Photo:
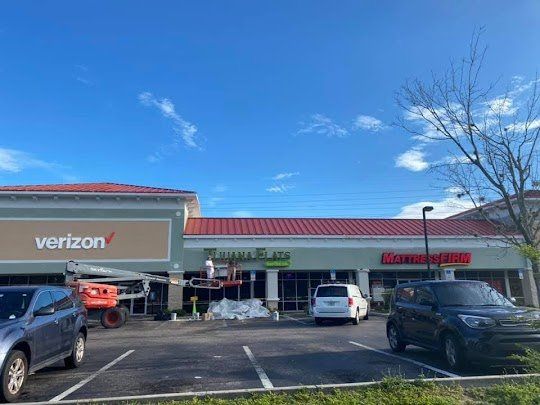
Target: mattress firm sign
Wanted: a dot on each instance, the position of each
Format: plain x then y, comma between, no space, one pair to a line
442,259
33,240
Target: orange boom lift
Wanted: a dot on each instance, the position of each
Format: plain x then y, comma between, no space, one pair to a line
101,289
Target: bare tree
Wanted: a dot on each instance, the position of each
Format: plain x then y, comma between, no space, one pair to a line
492,138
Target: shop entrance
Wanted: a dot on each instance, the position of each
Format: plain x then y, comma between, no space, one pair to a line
295,288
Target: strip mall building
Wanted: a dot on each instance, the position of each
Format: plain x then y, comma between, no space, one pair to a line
282,259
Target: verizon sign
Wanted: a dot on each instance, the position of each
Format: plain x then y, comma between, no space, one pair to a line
36,240
74,242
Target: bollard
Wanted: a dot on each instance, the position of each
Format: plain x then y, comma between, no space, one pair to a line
275,316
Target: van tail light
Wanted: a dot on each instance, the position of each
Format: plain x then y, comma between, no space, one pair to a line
351,303
312,302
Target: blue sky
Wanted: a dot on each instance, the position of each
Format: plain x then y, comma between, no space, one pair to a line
264,108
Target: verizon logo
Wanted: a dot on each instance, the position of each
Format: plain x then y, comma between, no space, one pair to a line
74,242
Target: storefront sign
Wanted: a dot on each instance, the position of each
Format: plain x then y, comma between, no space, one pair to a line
58,240
270,259
442,259
277,263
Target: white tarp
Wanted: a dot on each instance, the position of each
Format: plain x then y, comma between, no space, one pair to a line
228,309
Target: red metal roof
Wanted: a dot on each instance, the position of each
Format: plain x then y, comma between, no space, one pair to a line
335,227
92,188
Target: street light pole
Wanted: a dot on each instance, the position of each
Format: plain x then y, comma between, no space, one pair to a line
424,210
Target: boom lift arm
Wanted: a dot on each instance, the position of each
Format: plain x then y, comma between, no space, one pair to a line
101,288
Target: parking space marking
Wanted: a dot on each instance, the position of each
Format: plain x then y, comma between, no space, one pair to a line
260,372
90,377
418,363
294,319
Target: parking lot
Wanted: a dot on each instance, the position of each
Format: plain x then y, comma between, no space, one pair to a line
148,357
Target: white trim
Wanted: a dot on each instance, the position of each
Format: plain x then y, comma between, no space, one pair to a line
83,219
45,261
96,193
382,243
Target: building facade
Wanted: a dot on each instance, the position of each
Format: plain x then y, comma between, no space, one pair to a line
281,260
114,225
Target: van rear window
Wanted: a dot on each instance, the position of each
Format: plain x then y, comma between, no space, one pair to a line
332,291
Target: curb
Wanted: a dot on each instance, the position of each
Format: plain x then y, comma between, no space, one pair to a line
477,381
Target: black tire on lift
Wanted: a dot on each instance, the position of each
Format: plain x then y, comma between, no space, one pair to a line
113,318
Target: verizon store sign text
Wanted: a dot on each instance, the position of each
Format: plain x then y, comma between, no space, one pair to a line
57,240
74,242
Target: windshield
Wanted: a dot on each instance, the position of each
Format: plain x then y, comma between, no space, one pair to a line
474,294
332,291
13,304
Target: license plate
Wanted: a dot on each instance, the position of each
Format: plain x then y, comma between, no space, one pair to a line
331,303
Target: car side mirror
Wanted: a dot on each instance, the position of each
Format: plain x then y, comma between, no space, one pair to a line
44,311
513,300
364,295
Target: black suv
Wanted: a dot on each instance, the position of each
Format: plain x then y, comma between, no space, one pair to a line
466,320
39,325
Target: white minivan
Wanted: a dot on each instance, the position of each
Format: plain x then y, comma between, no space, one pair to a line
339,301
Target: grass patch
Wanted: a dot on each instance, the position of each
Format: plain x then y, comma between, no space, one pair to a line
524,393
393,391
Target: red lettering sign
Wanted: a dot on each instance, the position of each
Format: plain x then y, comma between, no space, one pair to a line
442,259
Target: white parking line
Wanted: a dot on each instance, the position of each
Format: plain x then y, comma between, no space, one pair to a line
260,372
294,319
437,370
90,378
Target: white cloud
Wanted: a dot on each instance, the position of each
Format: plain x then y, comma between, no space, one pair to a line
15,161
500,106
242,214
286,175
186,130
368,123
220,188
322,125
279,188
413,160
213,201
441,209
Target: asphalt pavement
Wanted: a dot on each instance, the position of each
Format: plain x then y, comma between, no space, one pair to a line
150,357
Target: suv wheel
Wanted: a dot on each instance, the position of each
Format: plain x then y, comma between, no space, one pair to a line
14,376
394,340
366,316
453,352
356,319
78,352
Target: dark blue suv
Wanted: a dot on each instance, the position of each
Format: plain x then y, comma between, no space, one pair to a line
466,320
39,325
